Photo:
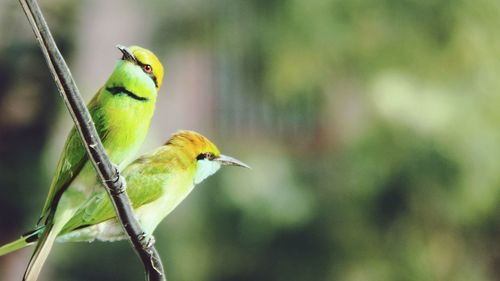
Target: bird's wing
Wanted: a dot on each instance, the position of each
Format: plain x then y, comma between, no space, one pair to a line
145,183
72,160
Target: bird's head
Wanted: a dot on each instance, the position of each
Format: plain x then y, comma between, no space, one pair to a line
138,73
201,151
145,60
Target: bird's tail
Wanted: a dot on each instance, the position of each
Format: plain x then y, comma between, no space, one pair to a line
26,239
41,253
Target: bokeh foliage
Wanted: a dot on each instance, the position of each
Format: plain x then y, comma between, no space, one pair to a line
372,128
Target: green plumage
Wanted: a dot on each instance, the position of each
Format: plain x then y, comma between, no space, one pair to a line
121,111
146,182
156,184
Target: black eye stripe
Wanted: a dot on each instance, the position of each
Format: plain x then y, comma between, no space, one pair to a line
154,79
143,64
151,75
206,155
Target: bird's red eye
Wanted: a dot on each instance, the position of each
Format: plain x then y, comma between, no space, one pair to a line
147,68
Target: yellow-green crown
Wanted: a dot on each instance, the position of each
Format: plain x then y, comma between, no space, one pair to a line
193,143
146,57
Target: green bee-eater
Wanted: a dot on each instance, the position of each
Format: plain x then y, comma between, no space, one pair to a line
156,184
121,111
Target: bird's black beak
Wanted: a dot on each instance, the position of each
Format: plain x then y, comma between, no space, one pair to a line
127,54
226,160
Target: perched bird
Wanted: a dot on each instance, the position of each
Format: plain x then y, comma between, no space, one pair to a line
156,184
122,111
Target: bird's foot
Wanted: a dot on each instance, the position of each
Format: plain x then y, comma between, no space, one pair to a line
147,240
119,183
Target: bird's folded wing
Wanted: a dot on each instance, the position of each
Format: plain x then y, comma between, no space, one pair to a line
145,184
72,160
70,164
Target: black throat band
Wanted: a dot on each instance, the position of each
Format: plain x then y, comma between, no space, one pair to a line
118,90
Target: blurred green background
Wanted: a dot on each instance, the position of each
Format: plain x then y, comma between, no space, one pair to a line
373,129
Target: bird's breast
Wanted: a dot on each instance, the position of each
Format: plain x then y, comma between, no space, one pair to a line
127,121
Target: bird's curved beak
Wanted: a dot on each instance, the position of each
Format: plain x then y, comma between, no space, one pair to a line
227,160
127,54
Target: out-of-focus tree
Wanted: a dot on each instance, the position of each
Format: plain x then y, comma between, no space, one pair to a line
372,128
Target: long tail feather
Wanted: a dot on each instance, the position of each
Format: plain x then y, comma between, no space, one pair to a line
40,254
26,239
14,245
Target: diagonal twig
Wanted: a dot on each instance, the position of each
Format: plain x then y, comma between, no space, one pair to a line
108,174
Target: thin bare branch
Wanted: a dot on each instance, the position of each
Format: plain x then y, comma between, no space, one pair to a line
114,183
